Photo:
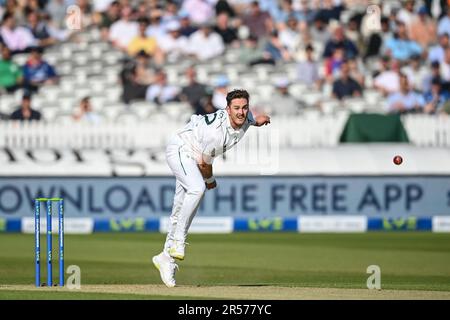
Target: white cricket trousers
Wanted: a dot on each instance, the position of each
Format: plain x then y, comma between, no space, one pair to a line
189,191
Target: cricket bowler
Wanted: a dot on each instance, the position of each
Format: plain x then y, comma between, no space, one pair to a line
190,154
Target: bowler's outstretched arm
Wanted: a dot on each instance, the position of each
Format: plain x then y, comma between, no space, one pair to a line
262,120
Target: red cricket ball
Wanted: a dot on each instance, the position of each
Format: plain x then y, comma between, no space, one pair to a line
398,160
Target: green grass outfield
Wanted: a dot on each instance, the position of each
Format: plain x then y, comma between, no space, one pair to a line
238,265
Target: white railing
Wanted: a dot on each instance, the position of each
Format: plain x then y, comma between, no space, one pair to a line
83,136
427,130
311,130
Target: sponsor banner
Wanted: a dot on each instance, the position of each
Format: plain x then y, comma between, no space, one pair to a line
265,224
230,224
203,225
10,225
400,224
126,225
71,225
441,224
332,224
246,197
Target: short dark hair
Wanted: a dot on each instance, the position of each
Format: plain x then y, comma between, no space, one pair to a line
435,64
6,16
384,19
237,94
27,95
36,49
143,20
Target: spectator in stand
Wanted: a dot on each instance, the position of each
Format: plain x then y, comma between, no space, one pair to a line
160,91
38,72
25,112
252,54
16,9
194,91
330,11
186,28
406,14
319,31
228,34
124,30
170,13
437,53
222,6
59,34
353,32
445,66
135,78
406,100
142,10
334,63
206,104
219,98
423,29
156,28
259,22
305,13
39,29
146,44
106,19
33,5
415,72
282,101
17,39
346,86
436,97
57,10
400,47
200,11
205,44
356,71
339,40
101,5
444,23
85,113
87,18
435,74
387,29
275,50
308,70
388,79
173,44
287,11
289,36
11,75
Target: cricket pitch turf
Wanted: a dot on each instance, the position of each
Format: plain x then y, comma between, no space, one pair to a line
414,265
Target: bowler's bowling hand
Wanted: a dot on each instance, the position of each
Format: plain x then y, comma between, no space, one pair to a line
211,185
262,120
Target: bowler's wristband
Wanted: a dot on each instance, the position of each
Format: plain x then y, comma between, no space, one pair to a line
210,180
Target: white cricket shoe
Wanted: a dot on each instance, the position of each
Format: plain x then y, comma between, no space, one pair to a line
177,250
166,267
